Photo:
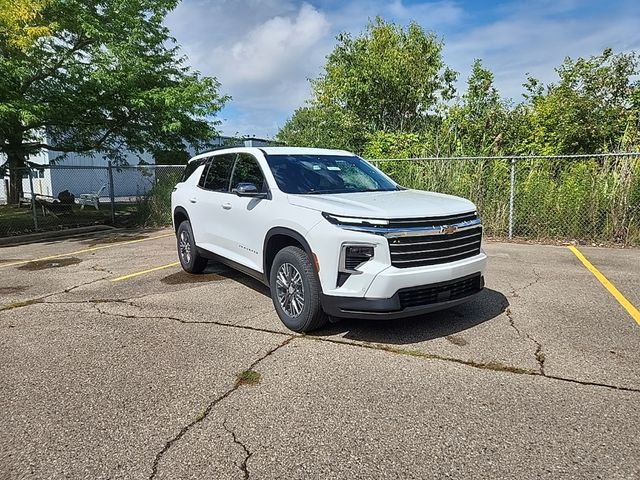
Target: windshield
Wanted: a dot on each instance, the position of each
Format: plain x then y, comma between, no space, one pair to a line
315,174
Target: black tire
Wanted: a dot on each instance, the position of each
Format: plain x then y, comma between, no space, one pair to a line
187,252
310,316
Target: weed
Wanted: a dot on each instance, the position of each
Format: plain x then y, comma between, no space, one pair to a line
248,377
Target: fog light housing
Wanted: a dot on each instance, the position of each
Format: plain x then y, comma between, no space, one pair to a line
352,256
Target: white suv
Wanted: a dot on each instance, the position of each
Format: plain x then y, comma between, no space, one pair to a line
331,235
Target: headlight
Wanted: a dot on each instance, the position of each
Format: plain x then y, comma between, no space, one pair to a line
340,220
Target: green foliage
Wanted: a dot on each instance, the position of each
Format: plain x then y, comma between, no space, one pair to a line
388,79
154,208
595,200
482,123
592,108
171,157
107,77
316,126
22,23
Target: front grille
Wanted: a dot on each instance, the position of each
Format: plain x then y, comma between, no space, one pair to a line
441,292
418,251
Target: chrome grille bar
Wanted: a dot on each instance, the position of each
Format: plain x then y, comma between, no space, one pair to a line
413,252
432,241
473,251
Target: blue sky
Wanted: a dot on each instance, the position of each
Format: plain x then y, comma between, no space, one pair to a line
263,51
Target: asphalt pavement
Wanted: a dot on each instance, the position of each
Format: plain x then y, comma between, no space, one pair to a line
116,364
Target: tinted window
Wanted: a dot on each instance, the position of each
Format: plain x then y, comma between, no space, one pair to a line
190,168
326,174
247,170
216,176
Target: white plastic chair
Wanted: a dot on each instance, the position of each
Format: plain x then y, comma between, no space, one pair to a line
90,198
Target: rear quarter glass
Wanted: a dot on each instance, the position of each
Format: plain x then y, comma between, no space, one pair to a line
190,168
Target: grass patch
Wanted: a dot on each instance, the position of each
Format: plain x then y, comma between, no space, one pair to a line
492,365
16,220
26,303
248,377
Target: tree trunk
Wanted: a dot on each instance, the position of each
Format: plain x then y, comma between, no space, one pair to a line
16,169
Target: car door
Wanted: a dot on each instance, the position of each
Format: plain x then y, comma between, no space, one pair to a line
248,217
209,203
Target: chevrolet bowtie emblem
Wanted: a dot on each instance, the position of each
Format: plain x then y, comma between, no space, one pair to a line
448,229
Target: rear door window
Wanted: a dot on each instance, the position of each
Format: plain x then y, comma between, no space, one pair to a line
216,176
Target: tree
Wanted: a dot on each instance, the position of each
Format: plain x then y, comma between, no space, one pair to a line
21,22
323,127
97,76
387,79
483,123
590,109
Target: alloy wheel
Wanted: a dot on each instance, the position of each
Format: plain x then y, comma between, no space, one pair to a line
290,289
185,247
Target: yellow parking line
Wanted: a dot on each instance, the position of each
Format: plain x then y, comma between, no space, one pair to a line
136,274
86,250
628,306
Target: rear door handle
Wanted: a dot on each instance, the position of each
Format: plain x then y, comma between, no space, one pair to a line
193,199
226,206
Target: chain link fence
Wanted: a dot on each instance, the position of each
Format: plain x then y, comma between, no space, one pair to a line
57,197
589,198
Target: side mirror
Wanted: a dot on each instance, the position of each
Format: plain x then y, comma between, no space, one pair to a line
248,190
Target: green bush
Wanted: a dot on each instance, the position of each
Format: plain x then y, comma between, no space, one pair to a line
154,208
566,199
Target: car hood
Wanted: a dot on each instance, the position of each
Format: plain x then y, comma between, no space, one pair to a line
394,204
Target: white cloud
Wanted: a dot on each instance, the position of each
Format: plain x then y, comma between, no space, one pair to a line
273,48
263,62
536,39
263,51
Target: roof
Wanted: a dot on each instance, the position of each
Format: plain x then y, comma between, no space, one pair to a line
275,151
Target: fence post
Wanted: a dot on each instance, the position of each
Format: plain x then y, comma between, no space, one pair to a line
512,190
33,200
112,196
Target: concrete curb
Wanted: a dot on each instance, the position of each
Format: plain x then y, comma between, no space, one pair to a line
55,235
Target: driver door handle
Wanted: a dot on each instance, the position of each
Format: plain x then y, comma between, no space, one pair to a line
193,199
226,206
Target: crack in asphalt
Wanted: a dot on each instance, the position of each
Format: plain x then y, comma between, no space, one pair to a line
538,353
184,430
512,322
494,366
516,292
189,322
41,299
247,453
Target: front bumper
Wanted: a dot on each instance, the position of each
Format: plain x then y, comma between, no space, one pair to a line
407,302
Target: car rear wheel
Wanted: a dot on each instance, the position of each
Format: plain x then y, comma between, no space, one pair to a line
190,260
295,290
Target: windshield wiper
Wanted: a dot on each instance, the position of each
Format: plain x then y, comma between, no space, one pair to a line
319,192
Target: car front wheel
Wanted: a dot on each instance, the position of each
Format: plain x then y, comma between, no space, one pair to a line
190,260
295,290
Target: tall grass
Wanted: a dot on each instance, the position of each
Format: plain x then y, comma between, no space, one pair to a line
154,208
590,199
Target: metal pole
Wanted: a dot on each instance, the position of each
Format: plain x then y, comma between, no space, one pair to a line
33,201
112,196
512,190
